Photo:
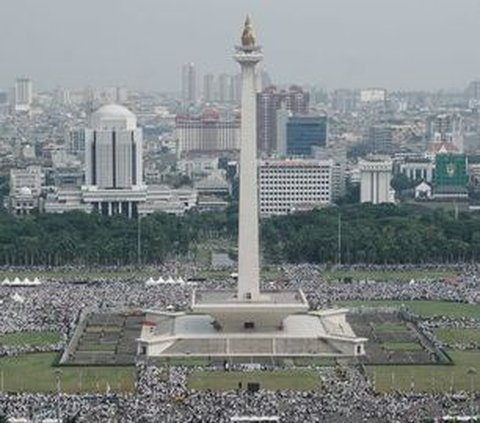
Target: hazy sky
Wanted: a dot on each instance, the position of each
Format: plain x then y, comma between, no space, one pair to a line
336,43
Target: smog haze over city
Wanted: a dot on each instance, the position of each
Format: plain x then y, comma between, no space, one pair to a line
407,44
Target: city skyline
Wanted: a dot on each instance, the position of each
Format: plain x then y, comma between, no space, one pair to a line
399,45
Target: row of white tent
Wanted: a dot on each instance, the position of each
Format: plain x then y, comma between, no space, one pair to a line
168,281
19,282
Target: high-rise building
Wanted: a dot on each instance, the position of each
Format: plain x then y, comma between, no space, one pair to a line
282,116
291,185
114,149
343,100
381,138
207,133
337,154
23,95
304,132
209,89
3,102
224,88
189,83
375,178
444,127
76,138
268,102
473,90
113,162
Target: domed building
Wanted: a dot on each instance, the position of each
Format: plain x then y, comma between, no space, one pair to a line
113,161
114,182
113,116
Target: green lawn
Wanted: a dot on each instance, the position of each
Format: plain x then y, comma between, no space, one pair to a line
402,346
390,275
452,336
34,373
30,337
429,378
301,380
423,308
391,327
98,347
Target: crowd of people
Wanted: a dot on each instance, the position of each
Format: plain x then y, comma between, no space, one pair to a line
162,395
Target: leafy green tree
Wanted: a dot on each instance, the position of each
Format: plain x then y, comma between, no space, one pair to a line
401,182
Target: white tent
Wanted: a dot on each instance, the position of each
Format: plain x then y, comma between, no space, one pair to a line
180,281
17,281
18,298
150,281
170,280
160,280
6,281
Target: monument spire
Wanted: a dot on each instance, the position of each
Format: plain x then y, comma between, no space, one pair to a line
248,55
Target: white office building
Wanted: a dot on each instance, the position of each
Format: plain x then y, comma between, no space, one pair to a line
189,83
25,189
207,133
113,162
292,185
114,173
22,95
113,155
375,178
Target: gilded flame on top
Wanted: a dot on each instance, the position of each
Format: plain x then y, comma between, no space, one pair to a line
248,37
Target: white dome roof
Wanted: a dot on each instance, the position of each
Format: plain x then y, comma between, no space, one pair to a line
113,111
113,116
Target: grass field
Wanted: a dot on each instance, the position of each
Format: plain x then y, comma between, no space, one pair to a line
461,336
430,378
391,275
30,338
402,346
301,380
424,308
391,327
34,373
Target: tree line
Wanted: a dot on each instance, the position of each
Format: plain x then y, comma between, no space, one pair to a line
368,234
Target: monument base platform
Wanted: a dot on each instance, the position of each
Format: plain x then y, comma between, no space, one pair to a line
315,334
265,312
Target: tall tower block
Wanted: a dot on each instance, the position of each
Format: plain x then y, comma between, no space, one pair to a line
248,55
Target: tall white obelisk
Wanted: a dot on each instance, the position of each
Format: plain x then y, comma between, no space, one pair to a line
248,55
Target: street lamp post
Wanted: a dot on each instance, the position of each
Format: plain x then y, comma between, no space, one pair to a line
58,375
472,373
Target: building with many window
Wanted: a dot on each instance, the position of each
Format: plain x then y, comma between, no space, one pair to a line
207,133
269,101
189,83
22,95
305,132
418,169
291,185
25,189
